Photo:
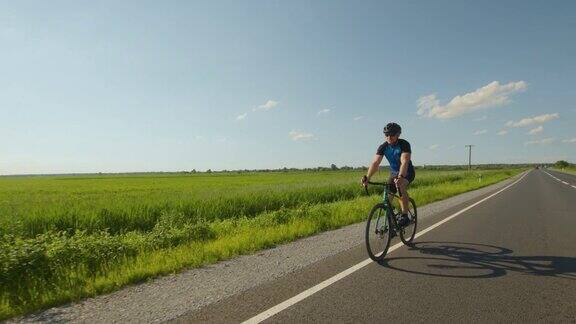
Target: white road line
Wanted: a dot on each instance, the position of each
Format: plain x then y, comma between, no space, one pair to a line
311,291
559,180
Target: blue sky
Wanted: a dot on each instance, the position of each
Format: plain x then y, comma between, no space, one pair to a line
178,85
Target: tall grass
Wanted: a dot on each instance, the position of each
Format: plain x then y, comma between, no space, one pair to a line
32,206
45,262
570,169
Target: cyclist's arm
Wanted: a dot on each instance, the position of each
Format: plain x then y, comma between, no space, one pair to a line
374,165
404,159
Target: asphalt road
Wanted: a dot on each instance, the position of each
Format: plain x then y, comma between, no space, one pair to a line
510,258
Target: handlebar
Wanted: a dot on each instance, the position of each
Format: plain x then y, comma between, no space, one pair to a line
385,184
374,183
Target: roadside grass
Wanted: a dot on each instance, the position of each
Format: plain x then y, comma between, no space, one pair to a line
31,206
570,170
56,267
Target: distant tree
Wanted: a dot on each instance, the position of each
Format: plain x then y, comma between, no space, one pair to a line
562,164
333,167
209,171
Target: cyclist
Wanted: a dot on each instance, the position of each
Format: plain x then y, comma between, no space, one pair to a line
397,151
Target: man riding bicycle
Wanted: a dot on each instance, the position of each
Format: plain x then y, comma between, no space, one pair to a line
397,151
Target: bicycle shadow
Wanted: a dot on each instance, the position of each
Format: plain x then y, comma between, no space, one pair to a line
473,260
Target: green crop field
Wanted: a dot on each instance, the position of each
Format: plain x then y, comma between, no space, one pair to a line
63,238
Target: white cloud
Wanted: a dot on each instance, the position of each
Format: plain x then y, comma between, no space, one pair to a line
358,117
451,147
323,111
296,135
533,120
540,142
481,118
490,95
433,146
502,132
267,106
536,130
480,132
242,117
570,140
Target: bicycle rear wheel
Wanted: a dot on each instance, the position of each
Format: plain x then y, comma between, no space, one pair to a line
378,233
409,231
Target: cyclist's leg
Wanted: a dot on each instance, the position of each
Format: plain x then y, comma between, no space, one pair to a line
404,191
404,198
403,186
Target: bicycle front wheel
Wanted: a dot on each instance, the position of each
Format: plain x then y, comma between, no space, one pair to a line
378,233
409,231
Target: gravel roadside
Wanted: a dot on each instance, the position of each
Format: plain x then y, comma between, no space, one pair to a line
169,297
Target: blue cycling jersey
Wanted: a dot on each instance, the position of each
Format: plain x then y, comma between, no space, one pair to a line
392,154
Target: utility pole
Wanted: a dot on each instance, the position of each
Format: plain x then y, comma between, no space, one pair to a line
469,156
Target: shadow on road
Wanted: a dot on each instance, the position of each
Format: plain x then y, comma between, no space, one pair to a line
471,260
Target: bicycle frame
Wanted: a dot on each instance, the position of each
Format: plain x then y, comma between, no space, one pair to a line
384,218
387,204
386,195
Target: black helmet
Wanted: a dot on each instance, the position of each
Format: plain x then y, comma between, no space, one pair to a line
392,129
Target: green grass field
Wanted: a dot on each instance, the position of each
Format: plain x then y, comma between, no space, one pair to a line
570,169
63,238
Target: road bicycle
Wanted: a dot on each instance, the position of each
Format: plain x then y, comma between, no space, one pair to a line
382,224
